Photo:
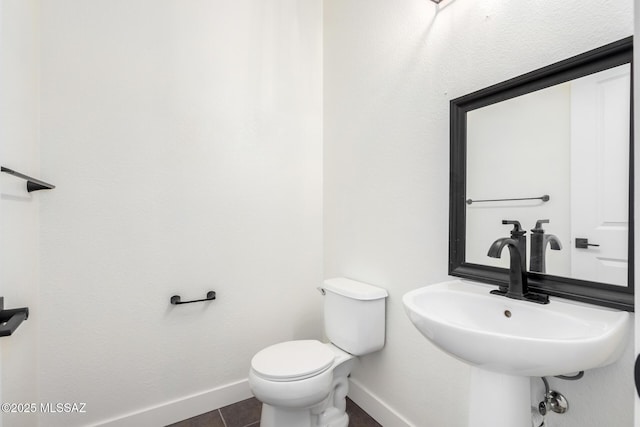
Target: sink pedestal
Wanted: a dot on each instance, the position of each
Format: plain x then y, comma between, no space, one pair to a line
499,400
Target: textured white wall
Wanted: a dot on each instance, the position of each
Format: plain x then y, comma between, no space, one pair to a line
19,150
185,141
390,69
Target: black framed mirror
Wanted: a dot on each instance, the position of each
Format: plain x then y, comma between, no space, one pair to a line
552,149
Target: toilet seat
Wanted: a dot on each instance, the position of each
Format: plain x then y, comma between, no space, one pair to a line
293,360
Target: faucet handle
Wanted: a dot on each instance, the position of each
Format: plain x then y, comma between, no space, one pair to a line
539,223
517,228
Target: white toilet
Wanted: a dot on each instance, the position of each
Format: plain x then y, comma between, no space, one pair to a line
304,383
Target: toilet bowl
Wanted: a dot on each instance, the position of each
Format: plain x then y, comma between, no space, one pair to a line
304,383
301,384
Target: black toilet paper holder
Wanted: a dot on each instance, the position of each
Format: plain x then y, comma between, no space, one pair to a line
11,319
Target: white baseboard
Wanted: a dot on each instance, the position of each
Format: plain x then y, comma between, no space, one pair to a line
375,407
199,403
181,409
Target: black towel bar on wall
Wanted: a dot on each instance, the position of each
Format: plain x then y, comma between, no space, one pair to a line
11,319
33,184
175,300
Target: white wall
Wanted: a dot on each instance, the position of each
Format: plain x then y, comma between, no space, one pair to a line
19,150
185,142
390,70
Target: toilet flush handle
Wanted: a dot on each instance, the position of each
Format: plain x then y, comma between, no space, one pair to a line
321,290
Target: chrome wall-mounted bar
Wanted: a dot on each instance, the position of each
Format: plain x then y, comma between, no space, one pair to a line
175,300
33,184
544,198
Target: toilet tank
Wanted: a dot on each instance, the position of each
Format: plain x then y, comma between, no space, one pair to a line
354,315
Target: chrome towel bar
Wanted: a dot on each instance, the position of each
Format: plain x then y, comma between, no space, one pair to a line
544,198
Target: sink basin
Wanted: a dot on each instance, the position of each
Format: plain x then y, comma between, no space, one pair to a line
506,341
513,337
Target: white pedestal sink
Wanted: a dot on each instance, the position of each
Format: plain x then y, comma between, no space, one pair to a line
506,341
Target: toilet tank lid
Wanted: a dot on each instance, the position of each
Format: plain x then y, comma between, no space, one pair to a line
354,289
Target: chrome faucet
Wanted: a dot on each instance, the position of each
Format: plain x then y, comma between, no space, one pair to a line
518,287
539,241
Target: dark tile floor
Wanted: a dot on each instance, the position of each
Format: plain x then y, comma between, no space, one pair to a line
247,414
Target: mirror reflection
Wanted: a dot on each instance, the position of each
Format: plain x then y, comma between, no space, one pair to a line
557,161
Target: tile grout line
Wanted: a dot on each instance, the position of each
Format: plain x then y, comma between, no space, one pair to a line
224,423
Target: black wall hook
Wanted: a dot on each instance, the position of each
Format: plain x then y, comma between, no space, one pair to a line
175,300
